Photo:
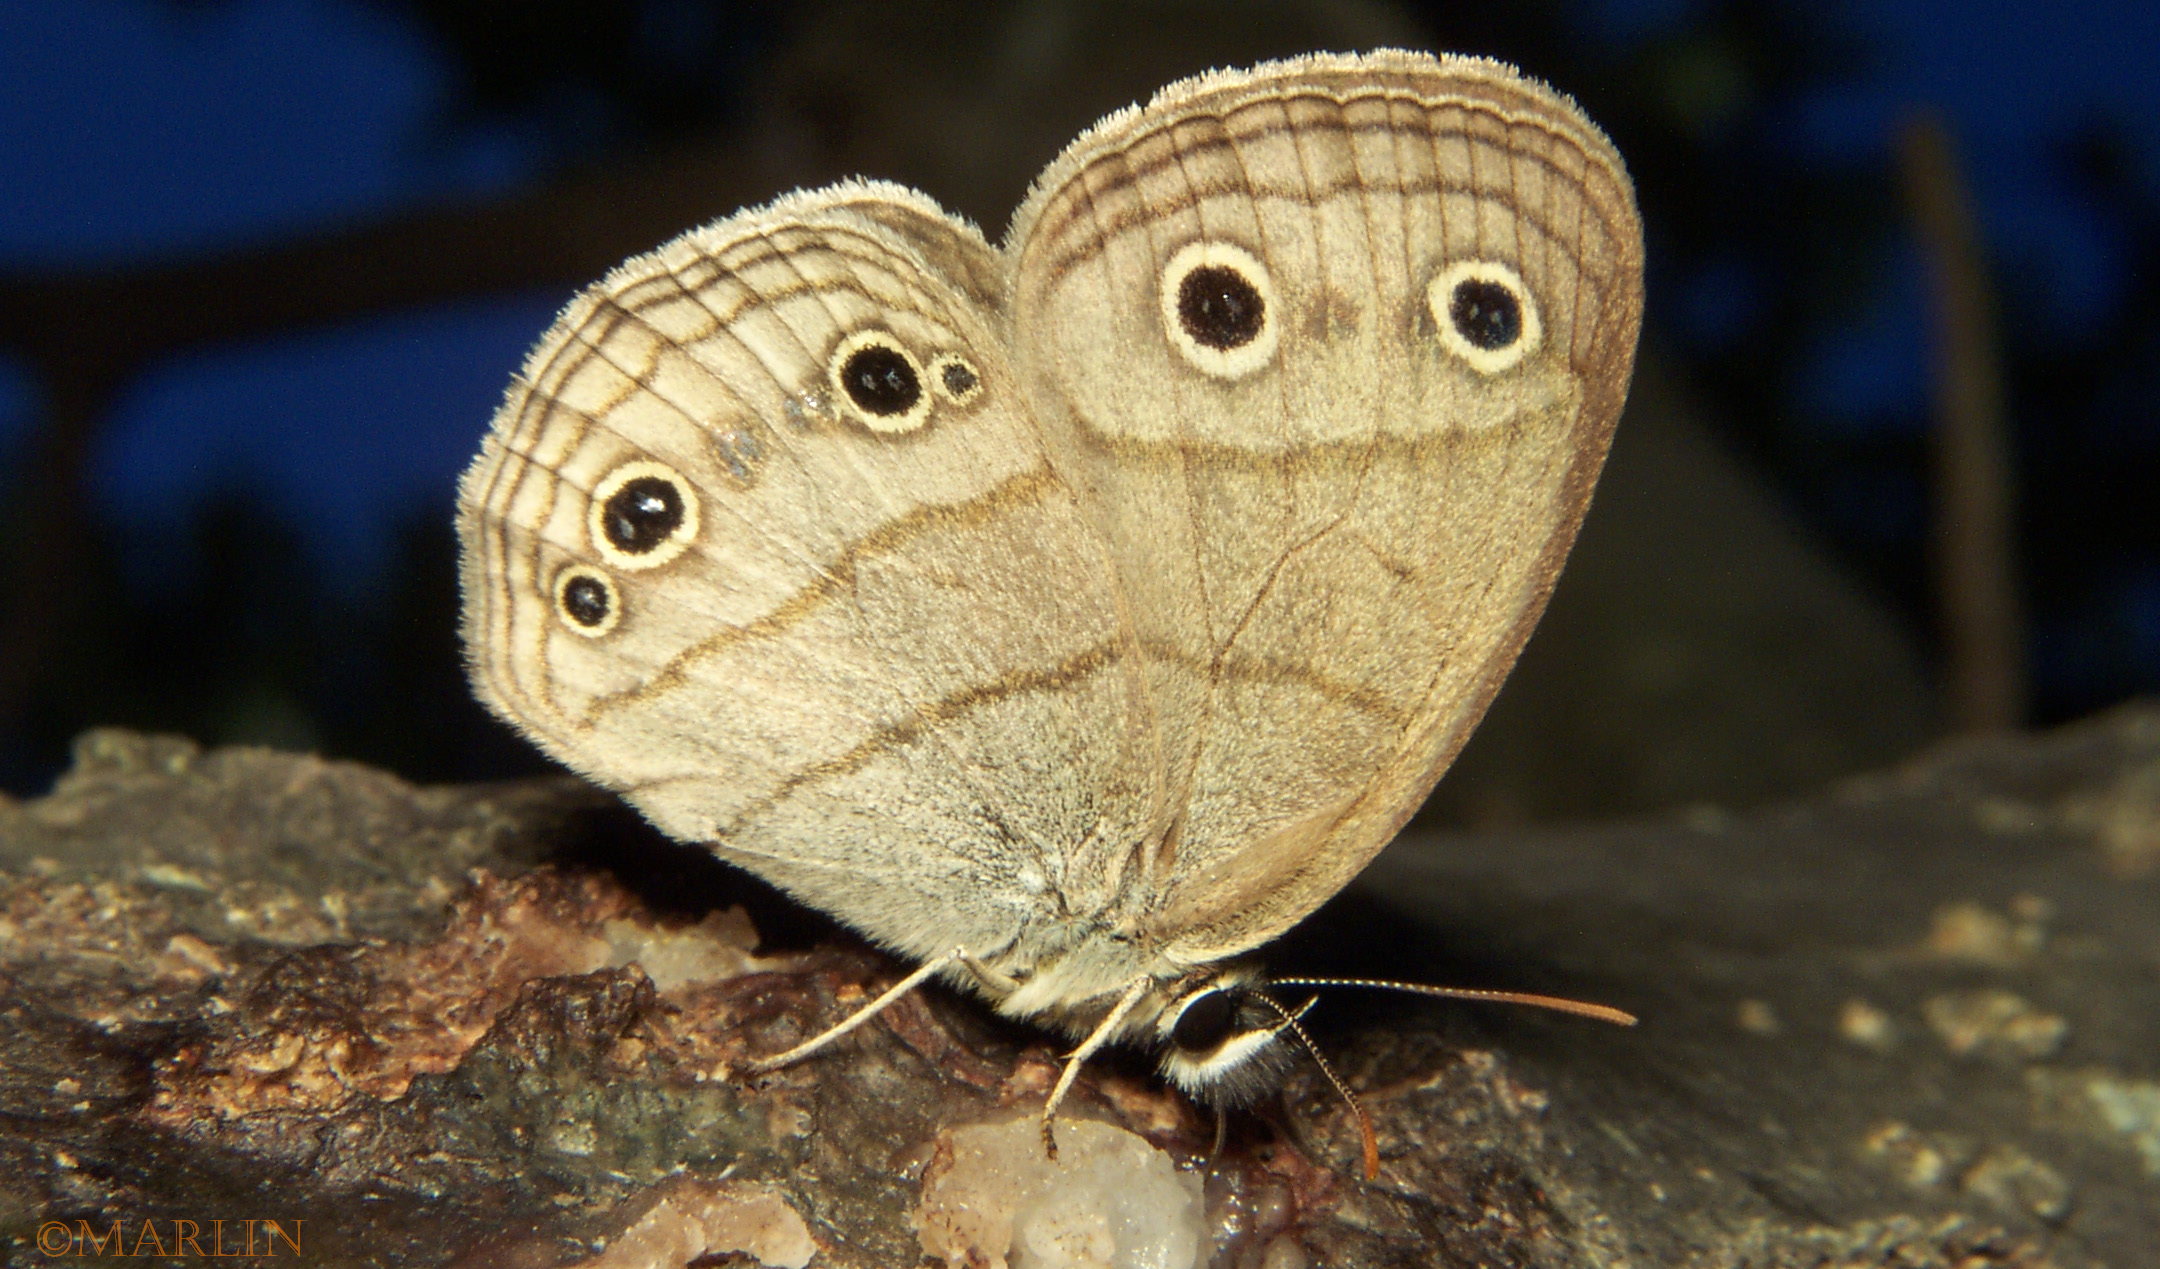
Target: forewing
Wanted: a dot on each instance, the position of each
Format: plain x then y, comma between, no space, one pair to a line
1337,525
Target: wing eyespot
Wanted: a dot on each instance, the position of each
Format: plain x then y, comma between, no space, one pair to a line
643,514
587,600
1485,314
1219,309
881,382
956,379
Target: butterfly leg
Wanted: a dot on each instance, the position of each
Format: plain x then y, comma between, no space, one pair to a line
998,983
1112,1023
884,1001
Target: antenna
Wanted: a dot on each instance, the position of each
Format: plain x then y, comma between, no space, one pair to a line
1370,1142
1561,1004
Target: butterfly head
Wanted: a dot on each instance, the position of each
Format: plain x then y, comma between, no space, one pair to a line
1224,1040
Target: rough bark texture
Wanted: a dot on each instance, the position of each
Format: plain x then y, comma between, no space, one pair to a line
1914,1022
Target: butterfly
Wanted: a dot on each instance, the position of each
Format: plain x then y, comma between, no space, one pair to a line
1075,615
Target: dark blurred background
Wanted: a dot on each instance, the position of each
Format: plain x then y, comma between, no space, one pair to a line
1888,473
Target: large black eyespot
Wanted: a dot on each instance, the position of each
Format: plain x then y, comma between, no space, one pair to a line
880,380
1205,1022
587,600
877,376
1218,308
643,515
1485,314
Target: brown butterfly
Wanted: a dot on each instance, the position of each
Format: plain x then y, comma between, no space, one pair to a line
1076,615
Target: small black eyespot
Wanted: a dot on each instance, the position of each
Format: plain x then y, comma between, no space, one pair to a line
1220,307
586,601
642,514
879,379
959,379
1205,1023
1487,314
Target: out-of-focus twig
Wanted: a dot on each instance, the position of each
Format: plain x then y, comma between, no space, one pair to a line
1975,556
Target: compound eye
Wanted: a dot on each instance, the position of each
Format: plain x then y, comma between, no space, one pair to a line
1485,315
1206,1021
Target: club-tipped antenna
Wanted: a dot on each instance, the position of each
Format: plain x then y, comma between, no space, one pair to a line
1366,1138
1561,1004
